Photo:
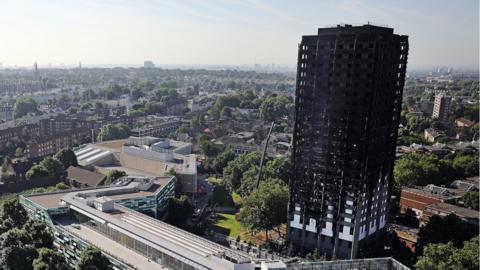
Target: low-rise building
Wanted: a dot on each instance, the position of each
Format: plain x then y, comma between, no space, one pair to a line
431,134
79,177
142,156
49,145
408,236
445,209
157,126
417,199
110,218
463,122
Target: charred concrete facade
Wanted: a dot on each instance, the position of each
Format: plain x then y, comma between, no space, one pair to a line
348,99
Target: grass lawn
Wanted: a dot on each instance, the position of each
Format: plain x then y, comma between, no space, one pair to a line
228,222
227,225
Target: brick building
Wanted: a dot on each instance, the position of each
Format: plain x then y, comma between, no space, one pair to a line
417,199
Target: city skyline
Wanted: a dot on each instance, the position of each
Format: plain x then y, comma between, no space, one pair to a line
221,32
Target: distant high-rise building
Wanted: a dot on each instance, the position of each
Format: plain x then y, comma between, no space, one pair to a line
348,100
35,69
441,106
148,64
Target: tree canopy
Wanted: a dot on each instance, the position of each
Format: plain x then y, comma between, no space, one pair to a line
471,200
24,243
233,173
420,169
13,212
449,257
206,146
24,106
443,230
114,175
277,107
266,207
36,171
114,132
53,167
67,157
221,161
49,259
180,209
466,165
93,258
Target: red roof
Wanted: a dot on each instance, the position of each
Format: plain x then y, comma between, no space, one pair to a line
465,122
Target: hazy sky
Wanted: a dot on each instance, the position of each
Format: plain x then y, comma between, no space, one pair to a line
244,32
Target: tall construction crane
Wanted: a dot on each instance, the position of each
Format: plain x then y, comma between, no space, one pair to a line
259,175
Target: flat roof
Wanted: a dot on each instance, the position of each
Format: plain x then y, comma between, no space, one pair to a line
154,189
457,210
155,233
47,200
161,235
428,193
129,171
124,254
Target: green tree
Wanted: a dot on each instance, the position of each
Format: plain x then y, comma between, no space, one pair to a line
8,178
62,186
14,237
38,234
224,101
417,124
53,167
233,172
7,162
136,113
448,257
420,169
114,132
49,259
443,230
17,257
471,200
13,211
18,152
137,93
67,157
278,168
466,165
437,257
35,172
24,106
93,258
277,107
226,112
179,210
206,146
265,208
221,161
114,175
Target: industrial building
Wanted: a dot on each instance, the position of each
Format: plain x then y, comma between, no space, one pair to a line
348,99
142,156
